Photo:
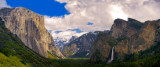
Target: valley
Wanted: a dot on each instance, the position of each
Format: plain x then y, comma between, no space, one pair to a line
25,42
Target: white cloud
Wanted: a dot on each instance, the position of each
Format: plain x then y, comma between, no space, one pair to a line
66,35
102,13
3,4
117,12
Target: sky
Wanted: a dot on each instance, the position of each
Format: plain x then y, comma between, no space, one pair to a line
76,17
3,3
43,7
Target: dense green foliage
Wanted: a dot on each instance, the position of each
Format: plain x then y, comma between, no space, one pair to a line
81,55
147,58
12,61
76,62
51,56
13,53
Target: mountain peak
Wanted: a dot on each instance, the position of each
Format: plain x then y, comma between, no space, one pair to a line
132,20
117,21
125,28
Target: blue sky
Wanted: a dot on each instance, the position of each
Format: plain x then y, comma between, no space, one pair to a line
43,7
77,30
89,23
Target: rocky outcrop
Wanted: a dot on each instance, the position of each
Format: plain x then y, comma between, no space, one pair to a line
80,47
142,40
30,28
101,48
122,28
126,37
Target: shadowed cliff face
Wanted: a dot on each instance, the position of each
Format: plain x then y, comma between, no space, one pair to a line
142,40
29,27
126,37
101,47
122,28
80,47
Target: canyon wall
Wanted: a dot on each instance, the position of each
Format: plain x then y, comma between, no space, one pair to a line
30,28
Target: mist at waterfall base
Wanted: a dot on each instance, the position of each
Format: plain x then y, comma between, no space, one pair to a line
111,56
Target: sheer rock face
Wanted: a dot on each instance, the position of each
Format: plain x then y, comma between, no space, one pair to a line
128,37
142,40
101,48
30,28
122,28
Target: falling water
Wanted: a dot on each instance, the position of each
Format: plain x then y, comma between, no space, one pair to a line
112,56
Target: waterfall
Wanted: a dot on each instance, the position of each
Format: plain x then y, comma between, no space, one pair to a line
112,56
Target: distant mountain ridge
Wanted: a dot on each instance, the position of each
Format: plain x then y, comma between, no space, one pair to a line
81,46
61,42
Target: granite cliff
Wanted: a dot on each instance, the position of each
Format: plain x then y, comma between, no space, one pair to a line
30,28
126,37
13,52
